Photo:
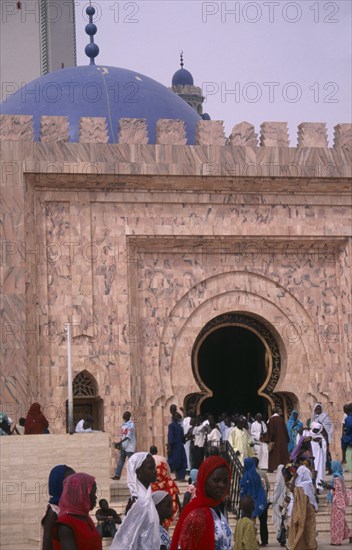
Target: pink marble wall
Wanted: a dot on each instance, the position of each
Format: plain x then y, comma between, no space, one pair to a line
140,249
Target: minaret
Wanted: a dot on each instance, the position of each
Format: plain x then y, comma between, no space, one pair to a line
183,86
36,38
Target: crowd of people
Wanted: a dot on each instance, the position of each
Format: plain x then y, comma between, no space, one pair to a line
298,451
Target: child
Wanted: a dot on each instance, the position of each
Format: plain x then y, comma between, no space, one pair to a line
19,428
163,505
191,490
245,537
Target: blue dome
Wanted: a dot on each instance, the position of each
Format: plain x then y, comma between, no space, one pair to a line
182,77
100,91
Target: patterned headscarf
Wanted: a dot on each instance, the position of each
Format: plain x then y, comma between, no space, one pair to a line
75,498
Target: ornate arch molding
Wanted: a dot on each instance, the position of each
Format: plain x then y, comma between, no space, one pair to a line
212,293
194,400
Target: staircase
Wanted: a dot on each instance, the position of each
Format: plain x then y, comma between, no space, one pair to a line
119,496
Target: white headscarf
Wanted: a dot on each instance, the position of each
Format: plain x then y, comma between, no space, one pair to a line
324,419
158,496
304,480
140,528
136,488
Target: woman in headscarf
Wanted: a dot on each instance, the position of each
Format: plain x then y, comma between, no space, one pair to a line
36,423
293,426
251,485
74,528
202,525
163,504
302,531
56,479
341,499
319,449
140,528
164,482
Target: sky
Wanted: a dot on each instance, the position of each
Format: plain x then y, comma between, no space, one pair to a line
255,61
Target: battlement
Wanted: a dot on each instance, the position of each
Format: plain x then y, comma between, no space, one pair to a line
173,132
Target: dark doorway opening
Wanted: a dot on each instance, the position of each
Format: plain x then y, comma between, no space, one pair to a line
233,363
86,401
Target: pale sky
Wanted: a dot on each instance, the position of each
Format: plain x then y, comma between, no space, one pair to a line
264,60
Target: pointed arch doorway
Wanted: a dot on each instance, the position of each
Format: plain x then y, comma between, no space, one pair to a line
236,363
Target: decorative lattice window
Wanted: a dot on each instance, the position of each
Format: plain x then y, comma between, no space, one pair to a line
83,386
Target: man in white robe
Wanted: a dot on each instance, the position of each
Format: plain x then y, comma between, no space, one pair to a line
186,425
258,429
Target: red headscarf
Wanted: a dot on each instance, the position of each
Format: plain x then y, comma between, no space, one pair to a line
206,538
75,497
36,422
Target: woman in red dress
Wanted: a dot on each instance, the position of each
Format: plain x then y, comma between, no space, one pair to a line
75,529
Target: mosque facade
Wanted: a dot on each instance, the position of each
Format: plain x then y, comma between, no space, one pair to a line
193,268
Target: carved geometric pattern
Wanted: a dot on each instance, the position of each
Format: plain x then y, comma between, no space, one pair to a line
83,386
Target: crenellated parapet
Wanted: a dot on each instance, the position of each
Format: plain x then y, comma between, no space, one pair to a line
312,134
274,134
173,132
54,128
343,136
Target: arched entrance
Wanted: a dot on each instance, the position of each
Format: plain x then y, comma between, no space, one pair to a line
86,401
236,363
